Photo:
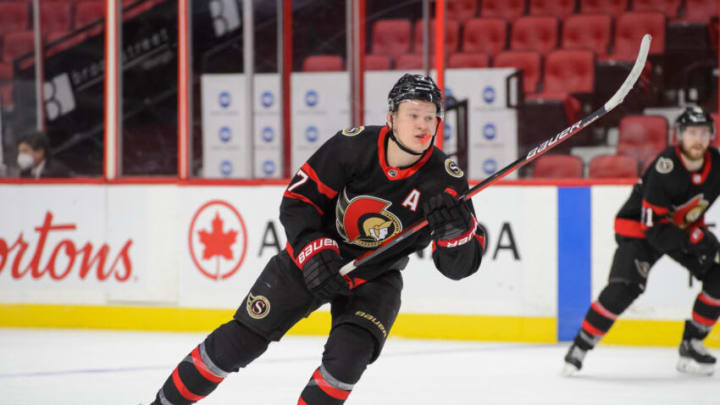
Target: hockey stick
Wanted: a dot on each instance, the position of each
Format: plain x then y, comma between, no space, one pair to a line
534,153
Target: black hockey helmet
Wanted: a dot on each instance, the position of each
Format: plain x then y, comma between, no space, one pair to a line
694,116
415,87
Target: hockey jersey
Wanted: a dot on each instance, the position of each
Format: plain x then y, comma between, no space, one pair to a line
668,204
347,197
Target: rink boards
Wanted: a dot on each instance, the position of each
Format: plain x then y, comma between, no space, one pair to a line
182,257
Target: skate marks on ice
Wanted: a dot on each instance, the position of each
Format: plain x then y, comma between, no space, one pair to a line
41,366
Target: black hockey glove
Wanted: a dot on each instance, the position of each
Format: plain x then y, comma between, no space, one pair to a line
447,217
705,252
322,275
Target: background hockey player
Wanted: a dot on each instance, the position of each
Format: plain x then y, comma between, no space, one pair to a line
665,215
362,187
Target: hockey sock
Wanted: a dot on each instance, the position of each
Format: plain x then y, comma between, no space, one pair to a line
704,316
347,353
225,350
613,301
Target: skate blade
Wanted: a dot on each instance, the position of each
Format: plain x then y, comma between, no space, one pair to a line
690,366
569,370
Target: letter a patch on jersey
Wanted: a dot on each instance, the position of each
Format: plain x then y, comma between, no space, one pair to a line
411,201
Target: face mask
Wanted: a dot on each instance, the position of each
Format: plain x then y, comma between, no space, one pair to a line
25,161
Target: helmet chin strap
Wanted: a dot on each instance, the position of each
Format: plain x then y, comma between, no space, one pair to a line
405,148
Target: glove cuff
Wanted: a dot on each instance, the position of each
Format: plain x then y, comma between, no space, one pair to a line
462,239
315,247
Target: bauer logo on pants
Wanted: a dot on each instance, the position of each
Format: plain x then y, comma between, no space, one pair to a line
217,240
258,306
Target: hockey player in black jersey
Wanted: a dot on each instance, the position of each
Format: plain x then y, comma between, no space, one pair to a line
665,216
362,187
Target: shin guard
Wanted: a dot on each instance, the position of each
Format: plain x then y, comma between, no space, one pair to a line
227,349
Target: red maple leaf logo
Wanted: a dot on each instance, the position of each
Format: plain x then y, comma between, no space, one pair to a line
217,242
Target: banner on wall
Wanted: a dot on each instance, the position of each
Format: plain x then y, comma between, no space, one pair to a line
204,246
268,135
227,151
320,108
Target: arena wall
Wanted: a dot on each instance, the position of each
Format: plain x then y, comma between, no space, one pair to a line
182,257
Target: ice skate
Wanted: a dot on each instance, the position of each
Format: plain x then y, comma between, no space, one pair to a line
695,358
573,360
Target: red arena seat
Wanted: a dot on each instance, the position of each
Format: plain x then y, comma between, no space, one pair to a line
468,60
322,63
461,10
700,10
486,35
668,7
410,61
55,16
555,8
452,36
17,44
591,32
88,12
14,17
377,62
569,71
631,27
642,137
558,166
508,9
613,7
527,61
534,34
612,166
391,37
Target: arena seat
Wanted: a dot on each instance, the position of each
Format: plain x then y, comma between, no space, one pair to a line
14,17
631,27
511,10
88,12
527,61
377,62
468,60
461,10
613,7
591,32
452,36
668,7
569,71
391,37
555,8
700,11
6,72
486,35
410,61
534,34
17,44
55,16
642,137
612,166
322,63
558,166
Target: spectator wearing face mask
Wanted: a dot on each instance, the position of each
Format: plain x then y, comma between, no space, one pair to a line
34,158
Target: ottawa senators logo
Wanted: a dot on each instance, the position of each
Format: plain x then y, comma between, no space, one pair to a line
365,220
258,307
686,214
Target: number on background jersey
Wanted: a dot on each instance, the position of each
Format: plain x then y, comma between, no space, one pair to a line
300,182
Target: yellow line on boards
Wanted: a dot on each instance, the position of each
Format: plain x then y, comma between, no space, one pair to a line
408,325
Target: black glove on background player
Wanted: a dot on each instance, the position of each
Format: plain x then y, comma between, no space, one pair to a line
706,253
322,275
447,216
